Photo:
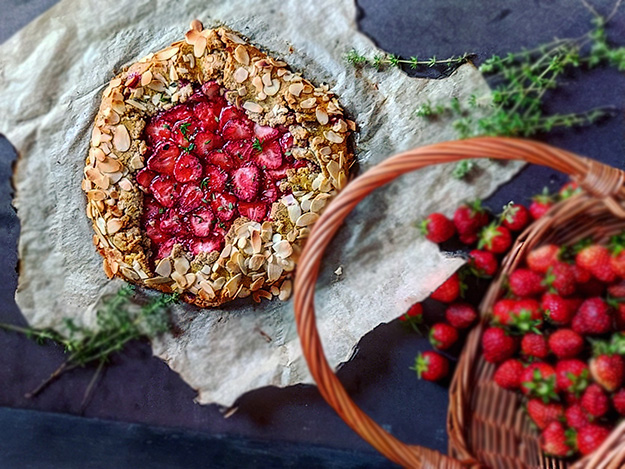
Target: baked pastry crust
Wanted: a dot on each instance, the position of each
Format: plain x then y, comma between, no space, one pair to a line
258,258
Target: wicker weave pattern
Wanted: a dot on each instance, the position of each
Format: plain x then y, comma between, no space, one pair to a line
486,427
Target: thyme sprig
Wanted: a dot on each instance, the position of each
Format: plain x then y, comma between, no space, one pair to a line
119,320
379,61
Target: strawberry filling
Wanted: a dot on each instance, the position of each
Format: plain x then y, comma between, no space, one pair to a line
208,164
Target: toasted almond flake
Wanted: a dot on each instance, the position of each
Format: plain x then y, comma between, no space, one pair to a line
285,290
241,243
307,219
192,36
96,194
273,89
125,184
118,106
208,289
101,225
274,290
197,25
137,104
219,283
226,251
157,86
232,285
267,79
179,279
260,294
257,284
163,268
333,168
98,154
283,249
109,165
294,212
115,82
291,236
234,38
333,137
114,177
240,75
107,268
96,136
252,106
199,46
318,204
113,225
256,261
146,78
155,281
308,103
241,55
296,89
136,162
326,186
121,138
181,265
322,116
190,278
256,242
129,273
273,272
244,292
166,54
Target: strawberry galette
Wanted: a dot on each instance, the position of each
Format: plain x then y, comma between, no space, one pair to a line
209,162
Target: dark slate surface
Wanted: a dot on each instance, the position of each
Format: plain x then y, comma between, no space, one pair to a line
141,413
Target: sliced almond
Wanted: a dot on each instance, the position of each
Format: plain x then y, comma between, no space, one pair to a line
256,262
207,288
257,284
163,268
308,103
181,265
307,219
241,55
322,116
146,78
240,75
167,53
272,90
125,184
121,138
109,165
232,285
199,46
283,249
333,137
252,106
285,290
333,168
96,194
296,89
294,212
113,225
273,272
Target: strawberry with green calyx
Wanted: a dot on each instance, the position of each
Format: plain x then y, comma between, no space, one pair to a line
524,282
544,413
566,343
591,436
594,317
515,217
437,228
442,336
596,259
560,279
558,310
413,318
508,374
572,376
576,417
469,218
449,290
541,204
539,380
460,315
606,367
595,401
569,190
618,401
555,440
543,257
482,264
502,311
497,345
534,346
617,249
526,316
431,366
495,238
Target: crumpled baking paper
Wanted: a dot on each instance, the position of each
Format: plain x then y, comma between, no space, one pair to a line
52,74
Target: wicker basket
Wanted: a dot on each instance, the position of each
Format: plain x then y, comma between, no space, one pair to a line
486,426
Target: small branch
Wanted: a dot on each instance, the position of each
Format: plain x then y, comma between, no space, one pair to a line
65,367
90,387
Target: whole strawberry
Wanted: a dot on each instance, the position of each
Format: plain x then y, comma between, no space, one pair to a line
526,315
593,317
590,437
571,376
524,282
576,417
460,315
469,219
431,366
442,336
497,345
539,380
557,309
540,204
618,401
414,314
502,311
608,371
495,239
508,374
566,343
617,249
543,257
449,290
554,440
560,279
595,401
544,413
515,217
534,346
596,259
437,228
569,190
483,263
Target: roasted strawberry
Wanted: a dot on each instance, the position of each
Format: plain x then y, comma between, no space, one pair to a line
449,290
229,113
265,133
215,179
270,157
554,440
515,217
183,133
431,366
508,374
497,345
595,401
211,89
201,222
237,129
590,437
240,150
437,228
188,168
534,346
205,142
164,158
442,336
566,343
165,248
145,177
164,190
208,115
571,376
460,315
190,198
483,263
544,413
158,131
206,245
224,206
524,282
171,223
255,211
540,259
246,181
495,239
222,160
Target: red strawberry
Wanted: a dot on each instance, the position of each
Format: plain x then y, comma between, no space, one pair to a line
554,440
581,275
190,198
483,263
442,336
595,401
590,437
497,345
165,248
502,311
215,179
158,131
608,371
496,239
224,206
469,218
571,376
437,228
431,366
617,264
211,89
524,282
569,190
616,290
534,346
144,177
540,204
526,315
246,181
558,310
596,259
171,223
228,113
544,413
543,257
539,379
515,217
593,317
618,401
205,142
237,129
222,160
414,314
206,245
265,133
176,114
468,238
508,374
164,158
269,191
576,416
164,190
253,210
286,141
270,157
183,132
560,278
449,290
188,168
201,222
460,315
208,114
565,343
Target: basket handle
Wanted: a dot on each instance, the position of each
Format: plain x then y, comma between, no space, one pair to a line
596,178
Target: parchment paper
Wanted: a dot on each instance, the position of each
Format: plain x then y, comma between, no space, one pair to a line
51,77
